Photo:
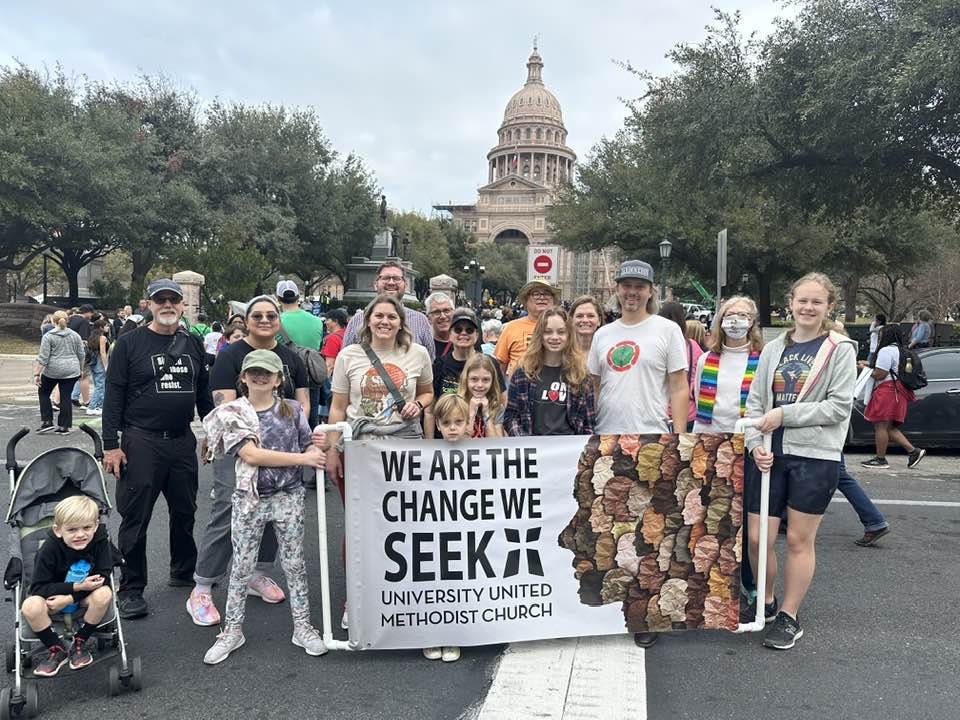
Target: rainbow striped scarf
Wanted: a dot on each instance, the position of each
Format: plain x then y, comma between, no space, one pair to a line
707,396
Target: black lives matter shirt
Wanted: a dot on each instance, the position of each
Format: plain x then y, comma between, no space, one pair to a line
148,389
226,370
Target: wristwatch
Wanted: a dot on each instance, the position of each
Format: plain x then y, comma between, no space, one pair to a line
419,405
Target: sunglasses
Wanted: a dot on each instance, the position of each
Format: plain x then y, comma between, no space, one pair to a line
464,329
164,299
268,316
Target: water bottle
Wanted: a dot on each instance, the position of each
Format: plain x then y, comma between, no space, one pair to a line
77,573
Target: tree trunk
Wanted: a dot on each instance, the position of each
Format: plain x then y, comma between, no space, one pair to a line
4,287
143,261
764,285
850,290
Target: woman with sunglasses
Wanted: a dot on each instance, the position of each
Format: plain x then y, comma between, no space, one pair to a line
263,323
447,368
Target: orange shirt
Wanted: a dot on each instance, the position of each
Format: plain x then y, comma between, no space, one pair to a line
513,342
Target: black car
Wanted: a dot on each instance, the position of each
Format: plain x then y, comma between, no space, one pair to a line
934,419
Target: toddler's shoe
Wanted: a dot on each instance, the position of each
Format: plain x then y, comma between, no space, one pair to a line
80,657
51,664
433,653
450,654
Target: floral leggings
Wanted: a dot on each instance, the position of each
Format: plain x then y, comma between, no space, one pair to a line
285,509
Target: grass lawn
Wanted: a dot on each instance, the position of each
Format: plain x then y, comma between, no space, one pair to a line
13,345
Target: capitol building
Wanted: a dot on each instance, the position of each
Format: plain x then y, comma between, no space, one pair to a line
531,158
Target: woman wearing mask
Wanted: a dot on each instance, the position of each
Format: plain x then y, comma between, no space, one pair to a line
724,374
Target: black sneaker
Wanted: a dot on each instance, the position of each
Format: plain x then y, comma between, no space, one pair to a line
870,537
878,463
51,664
76,403
45,428
645,639
770,610
132,605
62,431
915,457
748,612
784,633
80,657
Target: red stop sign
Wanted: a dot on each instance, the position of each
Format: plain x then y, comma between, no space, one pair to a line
542,264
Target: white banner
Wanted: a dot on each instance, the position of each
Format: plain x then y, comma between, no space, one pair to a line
512,539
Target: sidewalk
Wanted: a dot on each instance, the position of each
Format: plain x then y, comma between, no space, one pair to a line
16,380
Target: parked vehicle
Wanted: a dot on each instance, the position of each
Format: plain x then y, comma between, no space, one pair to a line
697,312
933,420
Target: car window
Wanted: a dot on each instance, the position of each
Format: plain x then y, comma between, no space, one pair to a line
942,366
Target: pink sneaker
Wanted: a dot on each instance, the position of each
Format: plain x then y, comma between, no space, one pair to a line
266,589
202,610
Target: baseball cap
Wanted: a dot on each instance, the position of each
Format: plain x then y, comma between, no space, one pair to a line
264,359
163,284
287,291
634,269
537,285
466,314
85,308
339,315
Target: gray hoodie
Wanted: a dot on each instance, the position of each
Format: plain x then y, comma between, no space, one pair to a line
815,426
61,354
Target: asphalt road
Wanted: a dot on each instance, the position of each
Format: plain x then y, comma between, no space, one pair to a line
880,638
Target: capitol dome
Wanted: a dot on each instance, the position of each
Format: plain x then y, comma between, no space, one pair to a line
532,137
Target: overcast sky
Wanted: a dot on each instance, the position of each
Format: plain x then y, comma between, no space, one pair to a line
417,89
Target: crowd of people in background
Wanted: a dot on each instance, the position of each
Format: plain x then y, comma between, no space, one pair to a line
260,379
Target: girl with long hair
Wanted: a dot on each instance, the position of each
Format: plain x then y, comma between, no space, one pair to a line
98,348
550,393
803,394
480,387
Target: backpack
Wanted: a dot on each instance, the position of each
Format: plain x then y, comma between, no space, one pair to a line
910,371
315,363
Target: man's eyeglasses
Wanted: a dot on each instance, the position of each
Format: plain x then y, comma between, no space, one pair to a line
268,316
541,294
445,311
164,299
392,278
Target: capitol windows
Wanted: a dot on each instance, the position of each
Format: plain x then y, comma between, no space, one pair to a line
549,136
538,134
483,223
528,133
536,171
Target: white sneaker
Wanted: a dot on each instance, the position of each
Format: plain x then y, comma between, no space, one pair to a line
306,636
93,411
433,653
450,654
226,643
344,620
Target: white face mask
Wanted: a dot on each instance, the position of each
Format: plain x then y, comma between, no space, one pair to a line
735,328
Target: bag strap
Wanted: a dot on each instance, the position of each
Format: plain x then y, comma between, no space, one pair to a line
384,375
285,336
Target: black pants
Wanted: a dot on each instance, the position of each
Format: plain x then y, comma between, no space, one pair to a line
157,465
47,384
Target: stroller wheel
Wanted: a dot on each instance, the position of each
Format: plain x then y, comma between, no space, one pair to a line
114,678
33,701
136,679
6,711
11,654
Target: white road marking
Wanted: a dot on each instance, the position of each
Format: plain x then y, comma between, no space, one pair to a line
569,679
926,503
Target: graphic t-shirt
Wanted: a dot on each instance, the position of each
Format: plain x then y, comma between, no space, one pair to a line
549,396
287,434
633,362
793,369
353,373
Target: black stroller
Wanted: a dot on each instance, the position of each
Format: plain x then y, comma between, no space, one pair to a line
34,492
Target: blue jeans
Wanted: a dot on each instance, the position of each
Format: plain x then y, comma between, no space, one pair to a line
871,518
99,374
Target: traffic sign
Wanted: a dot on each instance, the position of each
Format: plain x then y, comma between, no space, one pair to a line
543,263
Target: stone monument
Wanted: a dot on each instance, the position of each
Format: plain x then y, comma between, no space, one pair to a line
191,283
444,283
361,271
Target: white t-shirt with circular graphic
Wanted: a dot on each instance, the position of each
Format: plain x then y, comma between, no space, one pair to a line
633,362
353,373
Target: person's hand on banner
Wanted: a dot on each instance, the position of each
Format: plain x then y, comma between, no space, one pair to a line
770,421
763,459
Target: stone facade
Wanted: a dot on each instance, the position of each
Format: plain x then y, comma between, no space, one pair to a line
531,158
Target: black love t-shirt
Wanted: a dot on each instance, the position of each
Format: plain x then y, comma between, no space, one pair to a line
226,370
550,403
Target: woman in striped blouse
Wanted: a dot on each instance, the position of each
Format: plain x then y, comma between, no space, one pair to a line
724,373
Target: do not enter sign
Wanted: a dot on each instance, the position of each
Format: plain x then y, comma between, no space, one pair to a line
542,264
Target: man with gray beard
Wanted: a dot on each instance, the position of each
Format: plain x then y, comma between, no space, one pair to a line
156,377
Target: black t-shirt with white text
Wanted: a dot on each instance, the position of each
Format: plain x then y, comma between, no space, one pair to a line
550,403
226,370
147,389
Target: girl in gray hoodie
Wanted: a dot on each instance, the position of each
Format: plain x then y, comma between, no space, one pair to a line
59,364
803,395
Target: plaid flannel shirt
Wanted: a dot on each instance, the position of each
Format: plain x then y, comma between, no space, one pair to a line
518,417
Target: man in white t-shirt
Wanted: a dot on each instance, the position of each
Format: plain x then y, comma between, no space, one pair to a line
638,364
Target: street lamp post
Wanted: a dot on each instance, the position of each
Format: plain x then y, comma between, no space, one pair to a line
475,270
665,247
